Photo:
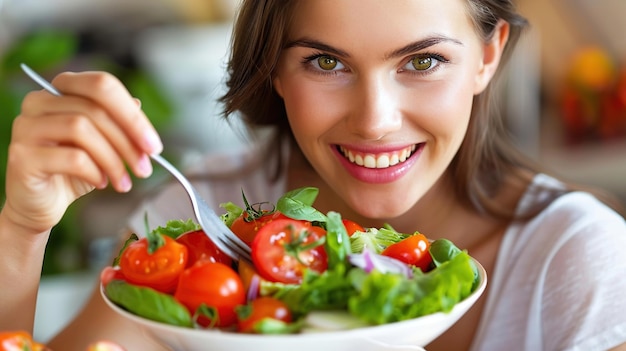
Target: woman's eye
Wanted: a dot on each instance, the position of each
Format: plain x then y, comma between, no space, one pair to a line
326,63
423,63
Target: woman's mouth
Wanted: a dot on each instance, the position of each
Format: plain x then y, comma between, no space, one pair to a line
379,159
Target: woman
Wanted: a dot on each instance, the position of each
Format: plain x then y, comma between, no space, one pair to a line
382,105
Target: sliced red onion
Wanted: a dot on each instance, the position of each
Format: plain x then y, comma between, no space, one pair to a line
253,289
370,261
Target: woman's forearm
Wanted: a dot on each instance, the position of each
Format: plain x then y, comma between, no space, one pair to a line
21,258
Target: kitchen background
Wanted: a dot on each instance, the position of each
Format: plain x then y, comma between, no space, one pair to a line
564,98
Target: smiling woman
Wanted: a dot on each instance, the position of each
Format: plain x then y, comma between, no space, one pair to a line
385,107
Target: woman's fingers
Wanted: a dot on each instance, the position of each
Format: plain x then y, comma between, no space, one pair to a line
86,118
107,91
84,134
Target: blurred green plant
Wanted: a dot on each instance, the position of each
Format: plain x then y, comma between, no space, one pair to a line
49,52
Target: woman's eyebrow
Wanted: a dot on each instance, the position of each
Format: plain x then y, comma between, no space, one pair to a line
405,50
315,44
421,45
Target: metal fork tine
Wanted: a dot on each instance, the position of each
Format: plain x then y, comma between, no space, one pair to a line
213,226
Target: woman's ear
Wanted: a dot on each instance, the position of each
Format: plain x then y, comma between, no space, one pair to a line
492,52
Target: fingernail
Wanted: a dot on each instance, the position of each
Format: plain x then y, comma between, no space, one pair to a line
153,142
125,184
103,184
144,167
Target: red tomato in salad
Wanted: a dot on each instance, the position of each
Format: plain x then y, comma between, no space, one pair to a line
158,270
412,250
284,248
352,226
217,286
200,247
260,309
248,224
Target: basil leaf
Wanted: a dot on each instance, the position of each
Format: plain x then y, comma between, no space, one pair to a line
337,242
443,250
305,195
297,204
148,303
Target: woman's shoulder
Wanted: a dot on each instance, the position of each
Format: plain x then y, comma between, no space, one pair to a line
565,220
556,202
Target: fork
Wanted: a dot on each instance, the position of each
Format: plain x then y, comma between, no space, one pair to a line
212,225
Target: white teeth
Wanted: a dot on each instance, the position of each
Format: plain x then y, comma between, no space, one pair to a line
358,160
383,160
394,160
403,155
369,161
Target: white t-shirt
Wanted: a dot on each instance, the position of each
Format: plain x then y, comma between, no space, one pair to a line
559,280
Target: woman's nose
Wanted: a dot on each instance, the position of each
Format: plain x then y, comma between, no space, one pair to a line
376,109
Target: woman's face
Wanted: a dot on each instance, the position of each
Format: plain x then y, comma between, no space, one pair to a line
378,94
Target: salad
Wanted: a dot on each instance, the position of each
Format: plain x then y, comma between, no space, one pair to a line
309,272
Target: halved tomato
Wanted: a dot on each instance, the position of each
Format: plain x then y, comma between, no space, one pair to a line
284,248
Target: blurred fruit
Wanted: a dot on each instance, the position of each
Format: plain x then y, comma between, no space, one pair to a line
592,68
593,99
19,341
105,346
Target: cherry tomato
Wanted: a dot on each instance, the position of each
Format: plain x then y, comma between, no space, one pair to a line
199,246
158,270
259,309
352,226
214,284
19,341
284,248
110,273
412,250
248,224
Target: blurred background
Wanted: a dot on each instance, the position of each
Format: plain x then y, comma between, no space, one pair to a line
563,97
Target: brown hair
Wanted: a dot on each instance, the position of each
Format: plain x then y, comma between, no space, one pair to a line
486,156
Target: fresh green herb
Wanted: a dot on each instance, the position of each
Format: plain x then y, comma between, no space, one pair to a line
148,303
232,212
375,240
337,241
298,204
176,228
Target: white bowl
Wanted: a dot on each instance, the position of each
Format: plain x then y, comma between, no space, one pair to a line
406,335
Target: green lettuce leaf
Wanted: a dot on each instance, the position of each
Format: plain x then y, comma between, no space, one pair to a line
375,240
386,298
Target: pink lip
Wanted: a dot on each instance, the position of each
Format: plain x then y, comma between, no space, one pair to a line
379,175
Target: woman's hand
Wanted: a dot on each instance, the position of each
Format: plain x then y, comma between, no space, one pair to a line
63,147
